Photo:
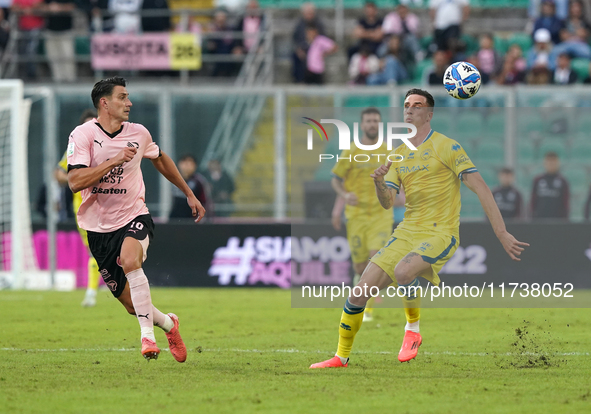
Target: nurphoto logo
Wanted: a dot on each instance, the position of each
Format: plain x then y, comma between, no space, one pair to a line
345,139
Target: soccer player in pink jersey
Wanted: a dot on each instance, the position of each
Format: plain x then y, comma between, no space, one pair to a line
104,158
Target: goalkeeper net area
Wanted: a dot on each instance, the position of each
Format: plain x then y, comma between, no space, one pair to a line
17,255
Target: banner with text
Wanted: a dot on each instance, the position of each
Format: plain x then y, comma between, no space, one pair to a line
149,51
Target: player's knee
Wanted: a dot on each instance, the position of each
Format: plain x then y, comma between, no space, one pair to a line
130,263
403,275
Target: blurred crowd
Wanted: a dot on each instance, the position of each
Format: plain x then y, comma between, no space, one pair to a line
392,48
53,21
385,47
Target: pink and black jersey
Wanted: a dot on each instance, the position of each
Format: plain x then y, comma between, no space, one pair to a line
119,196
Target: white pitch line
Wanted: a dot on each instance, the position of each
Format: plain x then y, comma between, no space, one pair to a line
296,351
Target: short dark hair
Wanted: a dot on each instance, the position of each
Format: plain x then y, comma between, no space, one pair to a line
551,154
188,157
88,113
105,88
427,95
506,170
371,110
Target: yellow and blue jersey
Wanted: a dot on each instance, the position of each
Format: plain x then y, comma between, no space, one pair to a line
431,177
356,179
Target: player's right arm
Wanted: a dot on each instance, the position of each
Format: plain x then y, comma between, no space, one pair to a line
338,186
81,176
340,172
385,194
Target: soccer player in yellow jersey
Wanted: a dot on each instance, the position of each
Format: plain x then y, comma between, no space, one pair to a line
368,224
61,174
429,235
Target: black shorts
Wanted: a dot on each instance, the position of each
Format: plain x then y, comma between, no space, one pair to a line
106,248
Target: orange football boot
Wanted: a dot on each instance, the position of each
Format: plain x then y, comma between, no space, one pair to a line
334,362
410,346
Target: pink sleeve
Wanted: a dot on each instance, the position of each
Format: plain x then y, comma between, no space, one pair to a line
327,43
152,150
79,148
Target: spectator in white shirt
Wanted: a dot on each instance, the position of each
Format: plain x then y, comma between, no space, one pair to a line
447,17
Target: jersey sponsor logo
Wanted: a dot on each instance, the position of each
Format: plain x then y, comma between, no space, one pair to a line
414,168
100,143
98,190
133,144
71,147
411,156
113,177
425,155
462,159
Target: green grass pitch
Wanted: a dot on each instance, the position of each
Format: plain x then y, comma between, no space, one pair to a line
249,352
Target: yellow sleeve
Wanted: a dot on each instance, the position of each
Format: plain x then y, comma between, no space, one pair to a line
393,177
343,165
63,164
455,157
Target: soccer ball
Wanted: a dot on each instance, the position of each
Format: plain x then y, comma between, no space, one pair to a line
462,80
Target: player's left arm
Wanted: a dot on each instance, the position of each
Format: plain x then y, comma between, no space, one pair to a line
166,166
512,246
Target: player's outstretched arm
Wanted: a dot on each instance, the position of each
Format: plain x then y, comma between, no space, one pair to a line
81,178
512,246
385,194
166,166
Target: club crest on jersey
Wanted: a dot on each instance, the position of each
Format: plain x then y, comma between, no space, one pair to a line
112,285
425,155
